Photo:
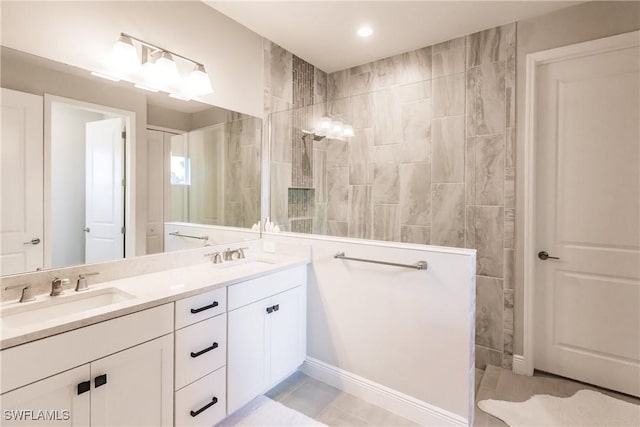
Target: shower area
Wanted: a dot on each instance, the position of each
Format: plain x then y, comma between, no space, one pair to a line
415,148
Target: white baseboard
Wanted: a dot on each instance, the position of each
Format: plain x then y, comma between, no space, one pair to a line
384,397
520,365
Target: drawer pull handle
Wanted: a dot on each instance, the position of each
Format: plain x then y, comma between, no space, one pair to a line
276,307
206,307
273,308
84,387
269,310
205,407
100,380
201,352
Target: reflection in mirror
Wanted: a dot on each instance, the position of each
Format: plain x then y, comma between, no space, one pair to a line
118,171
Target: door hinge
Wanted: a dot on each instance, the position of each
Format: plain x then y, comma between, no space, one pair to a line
124,134
123,230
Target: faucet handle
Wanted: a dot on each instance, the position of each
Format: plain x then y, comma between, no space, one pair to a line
81,284
57,286
27,292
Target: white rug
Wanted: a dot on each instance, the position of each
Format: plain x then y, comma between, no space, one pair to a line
263,411
585,408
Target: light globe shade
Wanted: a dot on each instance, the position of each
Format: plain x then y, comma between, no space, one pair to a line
166,71
347,131
325,124
124,56
198,82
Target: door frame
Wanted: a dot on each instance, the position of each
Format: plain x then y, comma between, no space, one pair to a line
129,119
525,363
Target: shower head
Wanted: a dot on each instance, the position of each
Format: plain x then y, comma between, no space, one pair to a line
315,136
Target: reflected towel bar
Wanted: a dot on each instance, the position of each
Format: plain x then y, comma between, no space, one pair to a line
177,233
420,265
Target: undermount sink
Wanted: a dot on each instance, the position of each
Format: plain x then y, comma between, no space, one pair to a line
24,314
247,263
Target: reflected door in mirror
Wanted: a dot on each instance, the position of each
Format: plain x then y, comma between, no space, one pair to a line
22,182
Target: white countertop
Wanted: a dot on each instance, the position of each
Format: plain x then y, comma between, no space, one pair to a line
148,290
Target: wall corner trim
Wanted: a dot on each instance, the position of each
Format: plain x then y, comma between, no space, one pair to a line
520,365
394,401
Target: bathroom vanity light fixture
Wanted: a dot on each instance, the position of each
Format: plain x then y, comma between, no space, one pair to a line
153,68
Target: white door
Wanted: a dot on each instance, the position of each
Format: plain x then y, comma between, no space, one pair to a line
134,387
21,154
587,302
284,337
104,232
246,354
64,400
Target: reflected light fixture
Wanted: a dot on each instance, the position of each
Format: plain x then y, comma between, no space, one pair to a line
365,31
158,70
334,129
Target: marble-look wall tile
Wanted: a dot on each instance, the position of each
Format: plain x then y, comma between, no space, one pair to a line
448,149
320,86
448,215
360,211
320,219
487,170
386,153
338,228
509,268
510,91
470,171
508,342
386,222
338,193
416,132
507,361
449,57
510,188
386,183
279,78
337,153
387,123
489,312
386,72
320,175
486,356
508,310
415,234
361,158
510,148
470,227
413,91
361,111
337,84
415,66
509,228
250,169
361,80
485,100
448,95
415,194
280,183
489,240
490,45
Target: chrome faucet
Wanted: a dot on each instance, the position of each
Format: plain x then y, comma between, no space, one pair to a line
82,285
56,286
228,254
217,259
27,292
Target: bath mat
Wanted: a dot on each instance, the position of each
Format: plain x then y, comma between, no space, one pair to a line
585,408
263,411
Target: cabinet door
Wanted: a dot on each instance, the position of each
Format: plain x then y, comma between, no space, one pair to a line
284,335
134,387
246,357
52,402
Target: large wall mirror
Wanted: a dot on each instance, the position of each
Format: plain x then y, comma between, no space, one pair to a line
94,170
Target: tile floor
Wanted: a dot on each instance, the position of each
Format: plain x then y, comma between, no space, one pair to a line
331,406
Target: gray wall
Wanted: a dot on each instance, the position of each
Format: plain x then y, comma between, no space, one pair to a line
576,24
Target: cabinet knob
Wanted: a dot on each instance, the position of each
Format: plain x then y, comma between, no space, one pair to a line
100,380
84,387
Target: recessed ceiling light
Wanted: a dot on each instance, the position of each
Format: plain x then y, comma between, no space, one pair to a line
365,31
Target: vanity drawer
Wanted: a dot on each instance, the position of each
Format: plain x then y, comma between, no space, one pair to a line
254,290
200,349
200,307
191,401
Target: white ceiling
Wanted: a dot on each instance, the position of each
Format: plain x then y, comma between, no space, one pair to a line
324,32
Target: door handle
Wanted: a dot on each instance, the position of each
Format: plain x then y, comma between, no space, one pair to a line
544,255
32,242
86,229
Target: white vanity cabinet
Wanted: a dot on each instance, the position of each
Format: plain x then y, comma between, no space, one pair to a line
200,359
131,384
266,333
